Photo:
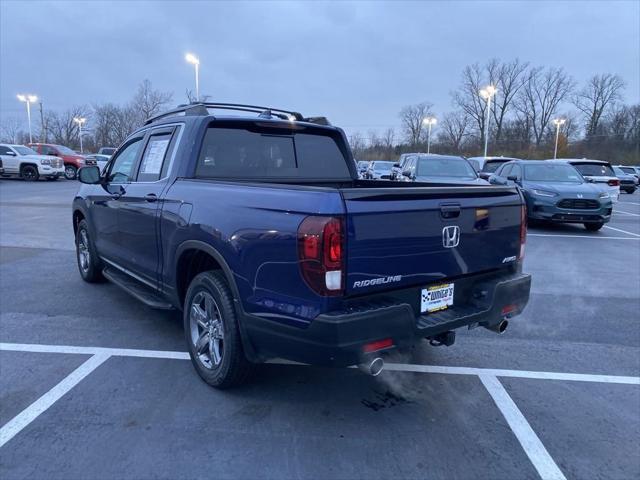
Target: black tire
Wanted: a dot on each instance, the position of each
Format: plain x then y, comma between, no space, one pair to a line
630,190
90,266
203,326
593,227
29,173
70,172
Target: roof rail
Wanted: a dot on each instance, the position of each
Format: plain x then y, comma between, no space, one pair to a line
201,108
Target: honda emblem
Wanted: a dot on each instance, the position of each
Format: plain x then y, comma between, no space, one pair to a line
450,236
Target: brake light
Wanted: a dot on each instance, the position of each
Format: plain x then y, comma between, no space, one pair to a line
321,255
523,230
613,183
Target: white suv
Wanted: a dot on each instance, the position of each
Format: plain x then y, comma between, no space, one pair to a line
28,164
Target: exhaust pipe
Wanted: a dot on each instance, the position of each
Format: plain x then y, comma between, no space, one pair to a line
373,368
498,327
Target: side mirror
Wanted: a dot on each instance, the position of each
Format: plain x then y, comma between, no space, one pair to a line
513,178
396,165
484,175
89,175
406,173
11,153
589,180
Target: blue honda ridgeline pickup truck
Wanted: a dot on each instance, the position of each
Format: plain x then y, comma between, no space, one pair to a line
258,229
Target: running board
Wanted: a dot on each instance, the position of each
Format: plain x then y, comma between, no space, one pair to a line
136,289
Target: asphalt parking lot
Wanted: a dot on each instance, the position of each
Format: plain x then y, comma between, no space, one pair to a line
95,385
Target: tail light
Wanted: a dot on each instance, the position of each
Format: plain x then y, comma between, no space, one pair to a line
321,254
523,230
613,183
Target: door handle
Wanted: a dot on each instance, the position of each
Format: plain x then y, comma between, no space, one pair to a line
150,197
450,211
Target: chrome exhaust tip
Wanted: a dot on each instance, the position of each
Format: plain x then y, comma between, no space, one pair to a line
498,328
373,368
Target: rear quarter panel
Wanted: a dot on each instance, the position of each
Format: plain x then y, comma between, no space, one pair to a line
254,229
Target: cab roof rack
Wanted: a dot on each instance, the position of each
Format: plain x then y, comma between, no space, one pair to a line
202,108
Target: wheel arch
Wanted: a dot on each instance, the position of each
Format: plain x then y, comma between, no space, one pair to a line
190,261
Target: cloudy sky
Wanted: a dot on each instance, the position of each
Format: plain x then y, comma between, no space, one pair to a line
357,63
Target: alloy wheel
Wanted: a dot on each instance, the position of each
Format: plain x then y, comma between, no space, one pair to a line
84,256
207,329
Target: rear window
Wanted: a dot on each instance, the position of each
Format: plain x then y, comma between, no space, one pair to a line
628,170
445,167
258,153
492,165
594,169
383,166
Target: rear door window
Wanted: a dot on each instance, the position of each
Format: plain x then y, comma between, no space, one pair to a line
154,162
255,153
594,169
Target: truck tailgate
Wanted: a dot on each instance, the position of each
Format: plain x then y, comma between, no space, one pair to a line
398,236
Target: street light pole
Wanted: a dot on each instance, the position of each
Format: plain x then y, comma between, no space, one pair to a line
429,121
80,121
191,58
557,122
28,99
487,93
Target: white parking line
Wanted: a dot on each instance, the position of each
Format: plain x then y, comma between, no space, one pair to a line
531,444
29,414
574,377
597,237
625,213
623,231
398,367
632,203
533,447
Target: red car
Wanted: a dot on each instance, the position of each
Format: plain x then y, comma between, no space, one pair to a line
72,160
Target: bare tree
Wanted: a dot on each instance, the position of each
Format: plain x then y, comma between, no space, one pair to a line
454,129
412,117
467,97
112,124
596,97
540,98
509,78
63,129
357,144
148,102
10,130
388,139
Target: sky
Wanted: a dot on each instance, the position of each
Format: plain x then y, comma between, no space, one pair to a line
358,63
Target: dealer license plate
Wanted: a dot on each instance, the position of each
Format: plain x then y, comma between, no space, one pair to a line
436,297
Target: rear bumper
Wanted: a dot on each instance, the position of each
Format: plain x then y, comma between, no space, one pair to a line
337,338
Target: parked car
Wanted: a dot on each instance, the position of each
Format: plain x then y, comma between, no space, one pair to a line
108,151
633,171
627,182
599,172
259,230
72,160
398,167
556,192
485,166
27,164
379,170
362,168
97,159
441,169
